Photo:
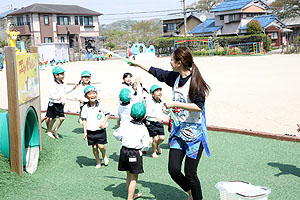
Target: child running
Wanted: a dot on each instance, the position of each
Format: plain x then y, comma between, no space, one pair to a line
94,121
135,138
57,98
154,120
84,81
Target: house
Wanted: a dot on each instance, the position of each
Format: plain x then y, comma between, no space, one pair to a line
294,24
192,21
52,23
272,27
173,24
232,16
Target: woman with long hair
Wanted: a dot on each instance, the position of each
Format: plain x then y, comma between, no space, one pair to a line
188,135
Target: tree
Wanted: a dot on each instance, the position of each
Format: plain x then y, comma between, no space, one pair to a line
286,8
205,5
254,27
144,31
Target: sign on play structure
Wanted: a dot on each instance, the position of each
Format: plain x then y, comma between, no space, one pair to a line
27,76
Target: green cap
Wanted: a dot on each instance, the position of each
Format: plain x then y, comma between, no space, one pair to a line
138,110
57,70
85,73
154,87
89,88
125,95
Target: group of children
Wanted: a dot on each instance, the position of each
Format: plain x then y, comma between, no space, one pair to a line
141,117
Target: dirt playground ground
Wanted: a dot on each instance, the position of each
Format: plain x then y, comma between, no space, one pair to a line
261,93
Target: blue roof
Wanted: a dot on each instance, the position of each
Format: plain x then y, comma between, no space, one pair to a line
209,26
231,5
264,21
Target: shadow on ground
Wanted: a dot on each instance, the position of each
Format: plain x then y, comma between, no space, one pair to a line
157,190
85,161
78,130
285,169
115,157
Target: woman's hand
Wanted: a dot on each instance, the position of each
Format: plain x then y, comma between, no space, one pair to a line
170,104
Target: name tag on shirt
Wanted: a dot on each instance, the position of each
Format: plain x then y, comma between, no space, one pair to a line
132,159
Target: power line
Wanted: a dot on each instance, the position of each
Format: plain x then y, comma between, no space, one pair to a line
142,12
137,17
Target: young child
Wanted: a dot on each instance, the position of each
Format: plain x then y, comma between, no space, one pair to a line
135,138
57,98
125,106
94,121
84,81
127,81
154,120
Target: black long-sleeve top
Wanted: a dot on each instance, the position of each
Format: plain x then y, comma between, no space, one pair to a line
169,77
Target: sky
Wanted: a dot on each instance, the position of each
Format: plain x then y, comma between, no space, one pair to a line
111,7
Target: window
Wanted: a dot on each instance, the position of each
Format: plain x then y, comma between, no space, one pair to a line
27,19
81,20
76,20
46,19
171,27
20,21
221,17
63,20
235,18
62,39
48,39
88,21
274,35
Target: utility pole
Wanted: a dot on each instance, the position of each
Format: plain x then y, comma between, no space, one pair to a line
184,16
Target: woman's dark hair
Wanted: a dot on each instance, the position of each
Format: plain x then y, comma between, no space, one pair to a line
198,84
126,74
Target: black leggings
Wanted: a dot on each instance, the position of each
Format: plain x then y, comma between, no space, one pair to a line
190,180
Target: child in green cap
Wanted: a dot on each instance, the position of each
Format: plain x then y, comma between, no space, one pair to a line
57,97
155,119
85,80
94,121
135,139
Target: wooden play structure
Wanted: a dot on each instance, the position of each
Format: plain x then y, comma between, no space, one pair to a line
24,109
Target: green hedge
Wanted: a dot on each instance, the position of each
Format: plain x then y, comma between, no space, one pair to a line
165,45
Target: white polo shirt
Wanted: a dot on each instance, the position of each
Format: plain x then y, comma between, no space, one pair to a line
94,116
124,112
133,135
155,109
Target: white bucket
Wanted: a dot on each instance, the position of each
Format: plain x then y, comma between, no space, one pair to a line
238,190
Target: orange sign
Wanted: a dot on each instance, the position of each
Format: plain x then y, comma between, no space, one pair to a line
27,76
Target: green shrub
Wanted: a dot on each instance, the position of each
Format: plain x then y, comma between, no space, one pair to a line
254,27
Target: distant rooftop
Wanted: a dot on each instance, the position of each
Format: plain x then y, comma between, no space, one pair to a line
231,5
294,21
208,26
55,9
264,21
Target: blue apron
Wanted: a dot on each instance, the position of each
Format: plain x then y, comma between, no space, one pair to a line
188,137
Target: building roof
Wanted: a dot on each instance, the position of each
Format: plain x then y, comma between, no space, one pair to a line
294,21
231,5
209,27
264,21
174,16
4,14
197,16
227,5
55,9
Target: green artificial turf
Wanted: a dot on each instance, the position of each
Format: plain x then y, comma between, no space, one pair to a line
66,168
